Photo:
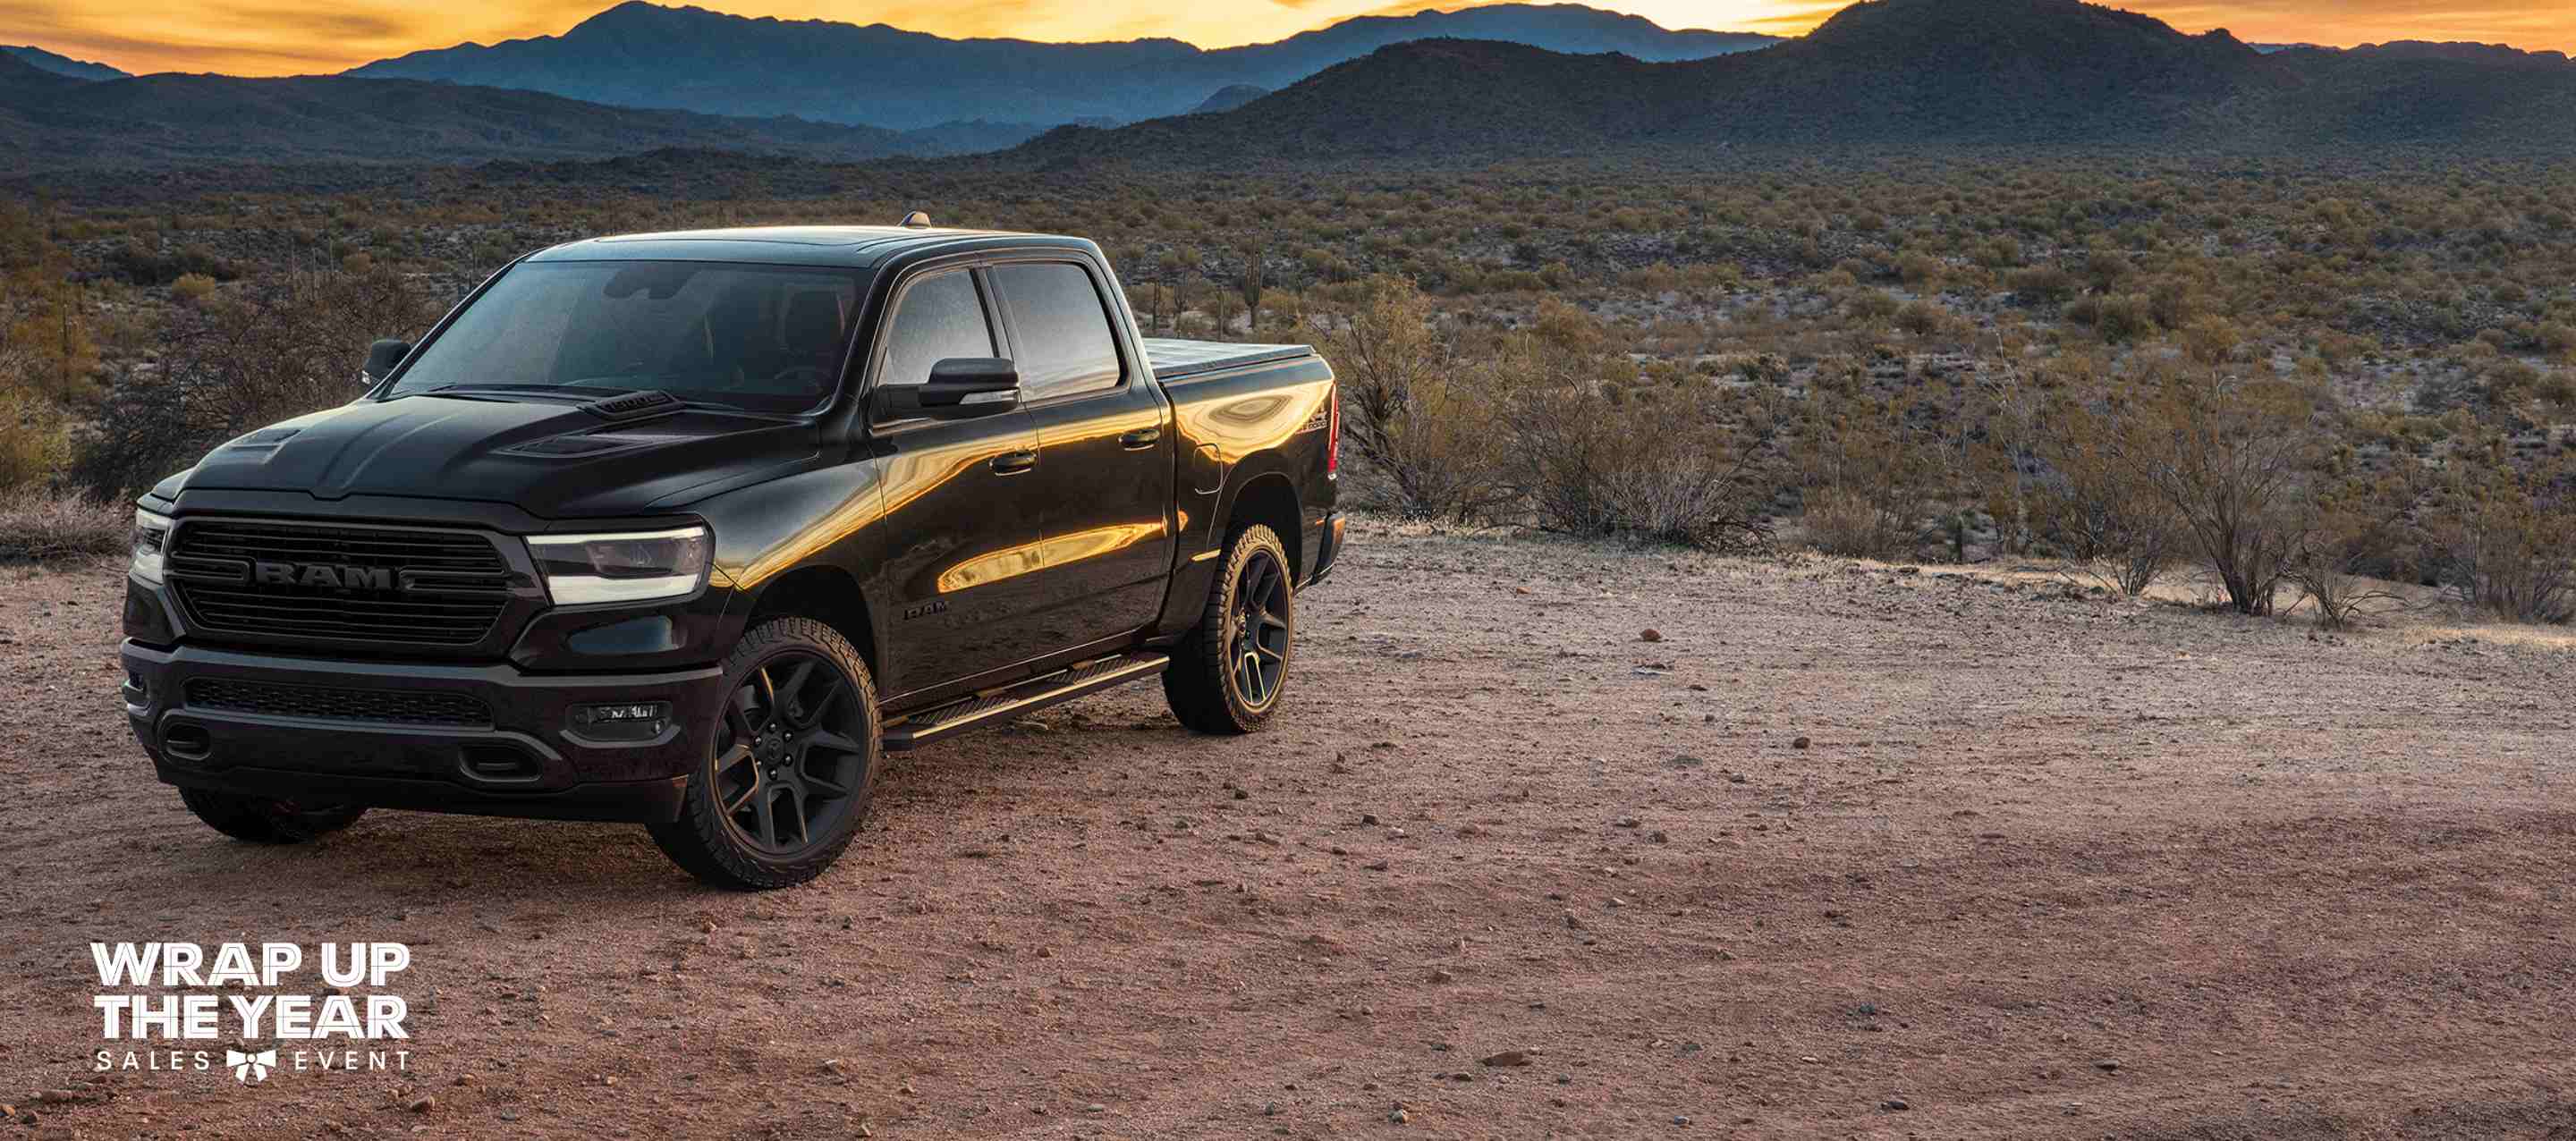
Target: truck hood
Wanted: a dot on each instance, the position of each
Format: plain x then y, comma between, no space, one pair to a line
551,458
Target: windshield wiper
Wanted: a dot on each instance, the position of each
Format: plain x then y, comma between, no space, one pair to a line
469,387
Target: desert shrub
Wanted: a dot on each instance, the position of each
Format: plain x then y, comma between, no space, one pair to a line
34,441
1918,269
2557,338
1429,438
1678,465
142,266
250,357
2210,340
191,288
2232,460
1871,305
2117,318
2504,541
36,525
2347,540
2175,302
2042,285
48,346
1867,475
2108,525
1921,318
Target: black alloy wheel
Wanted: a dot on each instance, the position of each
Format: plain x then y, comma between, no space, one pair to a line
1259,644
790,754
791,761
1228,674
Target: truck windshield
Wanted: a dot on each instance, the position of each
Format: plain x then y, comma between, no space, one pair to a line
761,337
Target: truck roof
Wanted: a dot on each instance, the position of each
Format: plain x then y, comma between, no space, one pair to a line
857,247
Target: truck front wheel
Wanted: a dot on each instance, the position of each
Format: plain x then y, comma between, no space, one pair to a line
1226,675
262,820
786,783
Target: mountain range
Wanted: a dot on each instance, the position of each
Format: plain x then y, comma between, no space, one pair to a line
43,60
50,120
1884,74
1984,76
644,55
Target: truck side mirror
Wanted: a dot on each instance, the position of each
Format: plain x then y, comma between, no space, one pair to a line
381,359
959,388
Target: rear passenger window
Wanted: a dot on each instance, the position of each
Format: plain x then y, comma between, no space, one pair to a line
938,317
1059,329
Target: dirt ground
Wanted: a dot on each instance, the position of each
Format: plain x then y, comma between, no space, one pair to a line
1848,852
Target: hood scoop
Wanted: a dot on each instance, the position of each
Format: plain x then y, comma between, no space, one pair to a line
573,444
634,405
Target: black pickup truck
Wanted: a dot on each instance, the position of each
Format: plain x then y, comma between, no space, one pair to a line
686,528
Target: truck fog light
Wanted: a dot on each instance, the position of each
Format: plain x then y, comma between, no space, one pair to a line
625,721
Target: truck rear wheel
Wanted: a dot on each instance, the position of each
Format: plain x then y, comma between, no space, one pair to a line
786,783
1226,676
262,820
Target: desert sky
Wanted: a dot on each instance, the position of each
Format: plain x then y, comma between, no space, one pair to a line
285,37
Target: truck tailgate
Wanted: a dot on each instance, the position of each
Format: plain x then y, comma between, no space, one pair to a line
1174,359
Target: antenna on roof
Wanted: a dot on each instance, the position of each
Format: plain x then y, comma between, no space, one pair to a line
916,220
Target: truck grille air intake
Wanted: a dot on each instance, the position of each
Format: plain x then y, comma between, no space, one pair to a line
383,585
401,707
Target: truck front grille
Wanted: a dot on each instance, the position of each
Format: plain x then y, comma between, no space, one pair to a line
401,707
382,585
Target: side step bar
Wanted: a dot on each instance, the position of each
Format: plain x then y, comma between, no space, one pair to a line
1034,694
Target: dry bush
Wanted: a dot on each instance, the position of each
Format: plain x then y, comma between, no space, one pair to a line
1868,475
1431,440
1680,465
250,356
2505,541
37,526
34,442
2349,531
2233,460
2111,527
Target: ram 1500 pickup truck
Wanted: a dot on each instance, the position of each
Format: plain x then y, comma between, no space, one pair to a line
686,528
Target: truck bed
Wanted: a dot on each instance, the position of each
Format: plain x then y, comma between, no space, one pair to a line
1173,359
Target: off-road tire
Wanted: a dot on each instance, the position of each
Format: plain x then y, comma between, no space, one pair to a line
724,848
262,820
1206,682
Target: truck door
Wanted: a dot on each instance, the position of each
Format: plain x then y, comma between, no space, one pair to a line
1105,456
961,508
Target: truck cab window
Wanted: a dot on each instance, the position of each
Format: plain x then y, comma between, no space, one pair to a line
1059,329
937,318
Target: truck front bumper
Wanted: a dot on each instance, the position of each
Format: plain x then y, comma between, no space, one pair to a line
486,739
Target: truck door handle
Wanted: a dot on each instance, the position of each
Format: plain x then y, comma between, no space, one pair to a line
1140,439
1013,463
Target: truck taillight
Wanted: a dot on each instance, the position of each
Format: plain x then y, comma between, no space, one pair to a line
1333,432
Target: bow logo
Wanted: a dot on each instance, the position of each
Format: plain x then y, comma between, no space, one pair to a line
250,1068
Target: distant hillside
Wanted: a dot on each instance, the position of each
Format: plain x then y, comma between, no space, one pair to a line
44,60
1229,99
642,55
49,121
1910,74
2498,55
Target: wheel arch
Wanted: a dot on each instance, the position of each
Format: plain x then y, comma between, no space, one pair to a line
825,593
1269,497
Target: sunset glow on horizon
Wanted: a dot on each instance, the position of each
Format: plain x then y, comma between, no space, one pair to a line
289,37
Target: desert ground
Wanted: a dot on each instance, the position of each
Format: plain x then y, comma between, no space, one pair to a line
1840,850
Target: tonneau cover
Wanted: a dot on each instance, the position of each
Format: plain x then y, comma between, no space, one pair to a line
1172,358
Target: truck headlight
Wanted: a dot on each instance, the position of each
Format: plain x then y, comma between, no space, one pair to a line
151,538
581,569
